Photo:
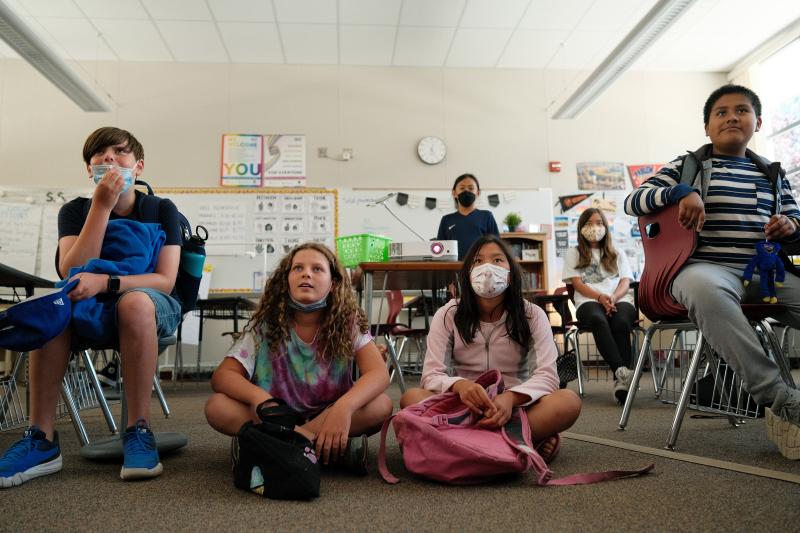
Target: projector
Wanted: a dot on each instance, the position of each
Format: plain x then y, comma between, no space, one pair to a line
423,251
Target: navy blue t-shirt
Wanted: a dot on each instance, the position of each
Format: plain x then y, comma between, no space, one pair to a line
466,229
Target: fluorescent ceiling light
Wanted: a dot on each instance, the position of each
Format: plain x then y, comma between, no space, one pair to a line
28,45
649,29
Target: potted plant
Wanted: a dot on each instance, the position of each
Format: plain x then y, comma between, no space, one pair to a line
512,221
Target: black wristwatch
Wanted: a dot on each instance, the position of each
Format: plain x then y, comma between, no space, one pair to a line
113,285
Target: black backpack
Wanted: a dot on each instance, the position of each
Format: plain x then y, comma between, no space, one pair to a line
193,250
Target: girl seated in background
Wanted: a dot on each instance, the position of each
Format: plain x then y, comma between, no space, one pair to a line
300,346
601,277
492,327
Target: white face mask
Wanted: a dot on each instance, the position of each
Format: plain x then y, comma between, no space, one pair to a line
593,233
489,280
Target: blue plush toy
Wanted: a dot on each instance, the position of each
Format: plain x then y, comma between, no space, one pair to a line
770,270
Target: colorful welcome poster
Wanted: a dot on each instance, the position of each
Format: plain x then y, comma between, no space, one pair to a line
242,157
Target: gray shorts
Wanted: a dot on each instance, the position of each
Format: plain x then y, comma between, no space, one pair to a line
168,310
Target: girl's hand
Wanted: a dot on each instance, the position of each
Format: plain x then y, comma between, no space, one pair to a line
607,302
504,405
332,438
474,397
88,286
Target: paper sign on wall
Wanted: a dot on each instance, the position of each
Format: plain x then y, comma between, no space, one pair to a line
241,160
274,160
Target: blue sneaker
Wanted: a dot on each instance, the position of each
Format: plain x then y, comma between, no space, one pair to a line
141,454
30,457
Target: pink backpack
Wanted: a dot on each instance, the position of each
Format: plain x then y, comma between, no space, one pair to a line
439,440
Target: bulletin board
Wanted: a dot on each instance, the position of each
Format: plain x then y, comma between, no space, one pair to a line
250,230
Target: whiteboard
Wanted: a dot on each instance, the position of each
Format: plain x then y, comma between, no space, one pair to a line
19,239
356,216
535,206
250,230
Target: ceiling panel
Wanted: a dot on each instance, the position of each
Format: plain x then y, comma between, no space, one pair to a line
493,13
712,34
424,47
584,50
367,45
78,37
252,42
178,9
193,41
134,40
477,47
614,15
112,9
310,44
554,14
242,10
306,11
383,13
444,13
532,48
49,8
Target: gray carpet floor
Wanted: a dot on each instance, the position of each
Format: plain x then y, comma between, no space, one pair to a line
196,492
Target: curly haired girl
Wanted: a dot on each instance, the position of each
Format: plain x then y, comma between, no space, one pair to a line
300,346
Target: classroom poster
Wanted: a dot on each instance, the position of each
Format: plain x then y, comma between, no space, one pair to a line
641,173
601,176
284,161
241,160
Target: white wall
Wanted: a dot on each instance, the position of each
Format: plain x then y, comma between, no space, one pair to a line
494,122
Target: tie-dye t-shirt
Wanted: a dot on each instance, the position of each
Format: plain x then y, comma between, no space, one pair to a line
307,384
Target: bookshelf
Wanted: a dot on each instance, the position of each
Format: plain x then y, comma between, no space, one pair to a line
530,251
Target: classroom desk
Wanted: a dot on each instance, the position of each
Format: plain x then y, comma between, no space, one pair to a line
405,275
11,277
221,308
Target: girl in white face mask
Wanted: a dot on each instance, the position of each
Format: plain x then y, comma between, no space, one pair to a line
601,278
493,327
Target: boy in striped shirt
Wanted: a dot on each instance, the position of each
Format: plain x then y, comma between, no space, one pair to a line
732,206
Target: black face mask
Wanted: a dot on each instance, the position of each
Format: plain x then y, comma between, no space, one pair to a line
466,198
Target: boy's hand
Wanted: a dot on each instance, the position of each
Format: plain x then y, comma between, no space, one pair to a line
778,227
107,192
692,212
88,286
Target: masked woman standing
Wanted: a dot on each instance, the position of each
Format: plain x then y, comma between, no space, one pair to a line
468,223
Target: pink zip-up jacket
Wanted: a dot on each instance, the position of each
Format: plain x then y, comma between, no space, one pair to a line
532,373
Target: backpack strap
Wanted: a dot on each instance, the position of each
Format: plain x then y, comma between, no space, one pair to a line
387,476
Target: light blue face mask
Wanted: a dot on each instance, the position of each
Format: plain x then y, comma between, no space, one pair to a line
308,308
98,171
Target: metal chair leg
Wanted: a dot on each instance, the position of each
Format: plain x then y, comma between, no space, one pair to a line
395,363
637,375
686,390
98,390
160,395
74,413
